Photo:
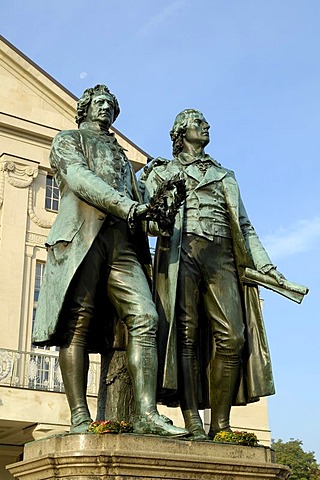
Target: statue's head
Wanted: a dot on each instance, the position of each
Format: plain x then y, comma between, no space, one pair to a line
99,92
183,121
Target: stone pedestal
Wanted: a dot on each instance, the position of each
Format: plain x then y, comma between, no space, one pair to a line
128,456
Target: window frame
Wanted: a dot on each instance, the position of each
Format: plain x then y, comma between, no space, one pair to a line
52,196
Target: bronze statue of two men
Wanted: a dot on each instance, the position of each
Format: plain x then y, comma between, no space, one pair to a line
200,337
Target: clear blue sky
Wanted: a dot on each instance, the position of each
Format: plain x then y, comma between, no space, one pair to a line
253,68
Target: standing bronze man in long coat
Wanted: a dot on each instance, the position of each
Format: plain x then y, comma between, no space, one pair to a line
95,270
215,321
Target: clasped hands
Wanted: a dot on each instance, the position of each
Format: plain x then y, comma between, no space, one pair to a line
164,204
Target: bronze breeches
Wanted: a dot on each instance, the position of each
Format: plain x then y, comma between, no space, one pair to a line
110,281
208,287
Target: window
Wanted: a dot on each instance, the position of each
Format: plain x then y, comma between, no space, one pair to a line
43,366
40,266
52,194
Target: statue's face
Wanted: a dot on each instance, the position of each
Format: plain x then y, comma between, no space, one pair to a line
197,132
101,109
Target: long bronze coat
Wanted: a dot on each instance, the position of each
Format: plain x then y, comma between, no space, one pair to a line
257,379
87,165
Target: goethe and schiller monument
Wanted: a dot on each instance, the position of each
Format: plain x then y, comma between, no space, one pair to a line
99,265
195,335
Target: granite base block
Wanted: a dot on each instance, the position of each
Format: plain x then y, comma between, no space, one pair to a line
129,456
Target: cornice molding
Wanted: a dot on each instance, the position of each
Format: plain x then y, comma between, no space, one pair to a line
18,172
18,176
25,129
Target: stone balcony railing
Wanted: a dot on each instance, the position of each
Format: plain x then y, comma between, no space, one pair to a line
39,370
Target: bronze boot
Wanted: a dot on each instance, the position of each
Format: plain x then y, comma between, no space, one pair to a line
74,365
224,382
143,366
188,395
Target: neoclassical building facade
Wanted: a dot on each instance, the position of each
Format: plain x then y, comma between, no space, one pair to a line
34,107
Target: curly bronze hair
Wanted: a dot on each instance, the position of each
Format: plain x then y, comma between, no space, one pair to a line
179,129
85,100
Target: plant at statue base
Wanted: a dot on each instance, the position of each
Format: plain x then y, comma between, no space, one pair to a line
240,438
110,426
